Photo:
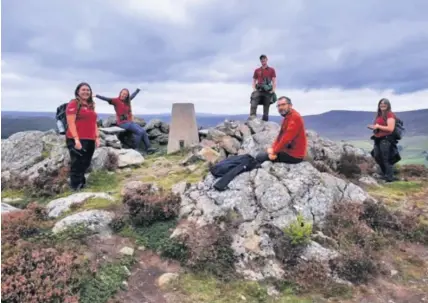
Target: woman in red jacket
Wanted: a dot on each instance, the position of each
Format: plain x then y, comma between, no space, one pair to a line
384,143
82,134
124,118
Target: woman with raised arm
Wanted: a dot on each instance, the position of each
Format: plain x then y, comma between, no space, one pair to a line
82,134
384,143
124,118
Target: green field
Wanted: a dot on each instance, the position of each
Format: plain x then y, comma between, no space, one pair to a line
413,147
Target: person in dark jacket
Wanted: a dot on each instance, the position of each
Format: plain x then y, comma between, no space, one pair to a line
264,85
82,134
124,118
290,145
385,146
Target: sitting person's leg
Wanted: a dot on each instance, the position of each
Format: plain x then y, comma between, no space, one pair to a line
286,158
281,157
143,136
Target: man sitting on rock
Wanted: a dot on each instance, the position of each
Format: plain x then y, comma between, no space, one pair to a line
264,85
290,145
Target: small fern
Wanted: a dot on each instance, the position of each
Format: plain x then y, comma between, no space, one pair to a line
299,231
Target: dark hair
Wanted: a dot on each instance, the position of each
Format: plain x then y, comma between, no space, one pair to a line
127,97
263,57
76,94
388,109
286,99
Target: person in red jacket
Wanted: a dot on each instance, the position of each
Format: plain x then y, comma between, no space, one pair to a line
385,148
290,145
124,118
82,134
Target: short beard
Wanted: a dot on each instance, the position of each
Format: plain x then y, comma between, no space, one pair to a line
284,112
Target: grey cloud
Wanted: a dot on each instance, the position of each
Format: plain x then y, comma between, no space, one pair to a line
312,44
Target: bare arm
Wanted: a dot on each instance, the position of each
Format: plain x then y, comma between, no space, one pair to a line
134,94
71,121
254,84
390,125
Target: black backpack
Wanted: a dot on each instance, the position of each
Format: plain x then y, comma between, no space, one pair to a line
399,129
61,118
225,166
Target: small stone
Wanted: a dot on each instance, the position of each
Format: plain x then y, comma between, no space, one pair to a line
393,272
272,291
125,284
166,279
243,298
141,248
129,251
126,270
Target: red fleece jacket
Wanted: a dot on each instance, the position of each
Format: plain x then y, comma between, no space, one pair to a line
292,136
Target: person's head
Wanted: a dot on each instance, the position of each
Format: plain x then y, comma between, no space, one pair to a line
383,107
284,105
124,94
263,60
83,93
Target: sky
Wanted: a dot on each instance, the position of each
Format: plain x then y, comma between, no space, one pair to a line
328,55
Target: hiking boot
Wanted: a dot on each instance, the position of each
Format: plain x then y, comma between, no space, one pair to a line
151,150
393,179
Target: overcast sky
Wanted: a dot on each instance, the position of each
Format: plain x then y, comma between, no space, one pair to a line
329,54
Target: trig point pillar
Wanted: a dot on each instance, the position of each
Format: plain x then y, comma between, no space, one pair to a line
183,131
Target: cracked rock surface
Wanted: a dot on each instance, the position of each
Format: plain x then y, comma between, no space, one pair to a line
274,194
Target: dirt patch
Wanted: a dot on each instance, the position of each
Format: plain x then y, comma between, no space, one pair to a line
142,284
107,249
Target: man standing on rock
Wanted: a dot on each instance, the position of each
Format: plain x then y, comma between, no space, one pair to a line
290,145
264,85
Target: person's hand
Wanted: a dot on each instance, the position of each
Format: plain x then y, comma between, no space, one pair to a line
94,96
97,142
77,144
272,157
269,150
376,126
371,126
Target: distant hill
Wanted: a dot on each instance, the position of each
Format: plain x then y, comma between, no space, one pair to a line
336,125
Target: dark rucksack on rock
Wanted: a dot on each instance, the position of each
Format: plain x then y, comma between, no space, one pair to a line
231,167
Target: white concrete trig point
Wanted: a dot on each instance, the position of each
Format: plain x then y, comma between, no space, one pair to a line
183,131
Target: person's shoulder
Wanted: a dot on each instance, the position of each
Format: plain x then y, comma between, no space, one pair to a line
72,102
391,115
296,114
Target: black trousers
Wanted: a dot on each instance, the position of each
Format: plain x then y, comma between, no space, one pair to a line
80,160
260,98
281,157
382,154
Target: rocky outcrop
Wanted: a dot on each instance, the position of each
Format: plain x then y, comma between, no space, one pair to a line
116,137
95,220
254,136
58,207
6,208
273,195
38,157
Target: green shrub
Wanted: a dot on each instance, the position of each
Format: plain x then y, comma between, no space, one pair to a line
146,206
107,281
299,231
209,250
